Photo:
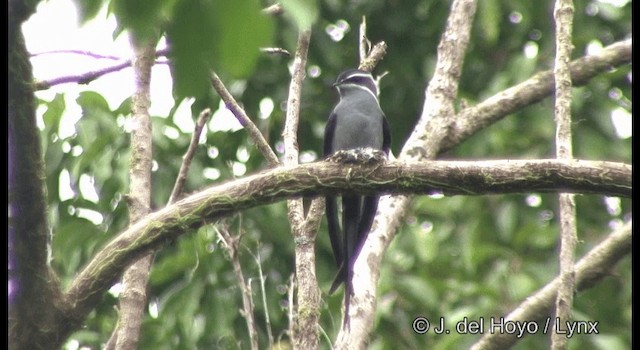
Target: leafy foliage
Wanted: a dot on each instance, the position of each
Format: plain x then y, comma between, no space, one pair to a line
454,257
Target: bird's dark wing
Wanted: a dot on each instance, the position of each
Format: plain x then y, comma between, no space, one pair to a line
331,202
369,208
386,136
329,132
351,214
334,228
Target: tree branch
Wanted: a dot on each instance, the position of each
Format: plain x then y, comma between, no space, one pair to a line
245,121
563,15
593,267
78,52
133,298
87,77
305,326
322,178
232,245
186,160
473,119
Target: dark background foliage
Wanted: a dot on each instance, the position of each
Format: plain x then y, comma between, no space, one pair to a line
455,257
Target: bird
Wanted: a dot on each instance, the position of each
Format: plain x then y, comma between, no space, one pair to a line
356,122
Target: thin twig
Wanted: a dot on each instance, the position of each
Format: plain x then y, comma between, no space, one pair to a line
364,44
244,120
563,15
232,245
275,51
77,52
273,10
290,292
186,159
87,77
267,319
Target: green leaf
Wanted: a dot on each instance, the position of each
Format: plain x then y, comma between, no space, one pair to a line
244,29
220,35
88,9
53,114
90,100
303,13
142,17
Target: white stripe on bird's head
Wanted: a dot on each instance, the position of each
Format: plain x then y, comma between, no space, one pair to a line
358,79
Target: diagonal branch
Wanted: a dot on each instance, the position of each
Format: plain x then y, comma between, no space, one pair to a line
188,157
244,120
593,267
473,119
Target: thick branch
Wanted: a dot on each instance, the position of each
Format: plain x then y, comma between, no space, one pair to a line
593,267
133,298
321,178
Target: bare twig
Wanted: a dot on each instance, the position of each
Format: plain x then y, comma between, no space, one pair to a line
563,15
244,120
232,245
290,307
275,51
87,77
77,52
267,319
273,10
186,159
593,267
364,45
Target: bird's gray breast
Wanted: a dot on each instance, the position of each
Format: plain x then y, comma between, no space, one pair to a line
358,126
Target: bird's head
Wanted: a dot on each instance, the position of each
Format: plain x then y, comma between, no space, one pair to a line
358,79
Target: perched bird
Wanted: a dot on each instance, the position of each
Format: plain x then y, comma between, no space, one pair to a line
356,122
